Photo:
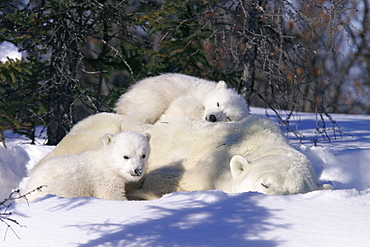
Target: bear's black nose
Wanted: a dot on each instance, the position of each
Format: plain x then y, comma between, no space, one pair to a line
138,171
212,118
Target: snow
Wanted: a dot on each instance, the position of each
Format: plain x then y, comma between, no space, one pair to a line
206,218
9,50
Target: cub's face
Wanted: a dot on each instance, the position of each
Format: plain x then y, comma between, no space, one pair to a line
224,105
129,153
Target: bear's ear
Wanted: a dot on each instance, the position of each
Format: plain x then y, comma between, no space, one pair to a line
107,138
221,85
147,136
326,187
237,165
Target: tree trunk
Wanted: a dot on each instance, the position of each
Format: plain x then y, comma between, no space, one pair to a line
60,120
64,63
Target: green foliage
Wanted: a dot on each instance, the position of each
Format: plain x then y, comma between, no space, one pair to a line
82,55
13,71
179,33
71,52
20,107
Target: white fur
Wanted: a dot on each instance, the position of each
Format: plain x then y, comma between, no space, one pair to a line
189,154
101,172
148,99
86,134
279,171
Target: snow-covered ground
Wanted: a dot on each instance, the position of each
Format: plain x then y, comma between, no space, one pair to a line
206,218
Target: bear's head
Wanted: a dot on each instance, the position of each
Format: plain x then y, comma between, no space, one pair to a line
127,153
224,104
272,175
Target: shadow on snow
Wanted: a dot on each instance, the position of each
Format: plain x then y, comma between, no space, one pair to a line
230,221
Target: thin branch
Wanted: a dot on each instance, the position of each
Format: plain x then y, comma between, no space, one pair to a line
5,205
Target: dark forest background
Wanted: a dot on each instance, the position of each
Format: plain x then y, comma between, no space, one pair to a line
79,56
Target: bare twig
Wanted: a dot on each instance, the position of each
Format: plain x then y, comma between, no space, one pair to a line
5,214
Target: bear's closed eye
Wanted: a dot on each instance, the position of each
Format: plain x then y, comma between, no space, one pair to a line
126,157
265,186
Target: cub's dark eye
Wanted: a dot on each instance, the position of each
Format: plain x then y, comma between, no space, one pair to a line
143,156
218,104
126,157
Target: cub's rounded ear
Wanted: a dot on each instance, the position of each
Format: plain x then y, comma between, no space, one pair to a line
221,85
147,136
107,138
237,165
326,187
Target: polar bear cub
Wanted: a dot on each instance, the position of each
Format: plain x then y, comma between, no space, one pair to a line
100,172
281,171
148,99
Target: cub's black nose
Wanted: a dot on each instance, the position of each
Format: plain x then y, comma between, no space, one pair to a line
138,171
212,118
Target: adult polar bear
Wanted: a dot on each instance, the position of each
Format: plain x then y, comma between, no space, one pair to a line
86,134
101,172
148,99
189,154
